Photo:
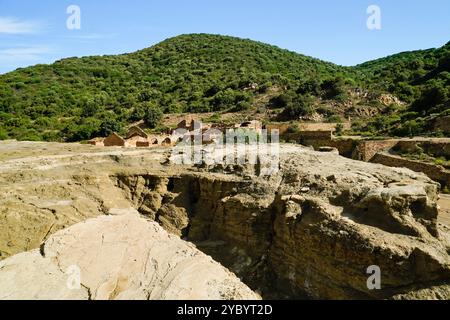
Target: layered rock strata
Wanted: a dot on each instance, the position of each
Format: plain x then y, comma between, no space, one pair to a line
310,230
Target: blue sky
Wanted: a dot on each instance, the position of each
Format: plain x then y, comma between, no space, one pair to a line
34,32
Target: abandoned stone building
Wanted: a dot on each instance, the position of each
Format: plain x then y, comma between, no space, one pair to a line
136,131
97,142
136,137
114,140
253,125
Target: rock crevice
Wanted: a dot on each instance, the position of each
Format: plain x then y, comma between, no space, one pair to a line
311,230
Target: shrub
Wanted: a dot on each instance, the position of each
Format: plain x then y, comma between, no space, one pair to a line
300,106
242,106
339,129
224,99
326,111
138,113
282,101
3,135
292,129
334,87
410,128
153,116
29,135
88,108
109,126
430,99
264,87
51,136
200,73
334,119
215,118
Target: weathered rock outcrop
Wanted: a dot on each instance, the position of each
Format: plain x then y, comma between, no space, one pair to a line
309,231
117,257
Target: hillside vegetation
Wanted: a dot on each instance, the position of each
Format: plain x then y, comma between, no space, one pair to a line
79,98
419,78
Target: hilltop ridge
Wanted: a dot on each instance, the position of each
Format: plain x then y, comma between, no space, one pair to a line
76,99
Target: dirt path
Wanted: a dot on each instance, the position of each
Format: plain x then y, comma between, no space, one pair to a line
444,203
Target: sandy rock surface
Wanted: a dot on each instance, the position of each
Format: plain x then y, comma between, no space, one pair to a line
310,230
117,257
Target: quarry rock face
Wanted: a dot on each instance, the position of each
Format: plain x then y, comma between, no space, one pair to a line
118,257
314,229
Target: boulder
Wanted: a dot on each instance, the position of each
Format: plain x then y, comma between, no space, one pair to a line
117,257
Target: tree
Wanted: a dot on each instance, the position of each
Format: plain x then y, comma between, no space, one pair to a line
309,87
444,63
109,126
88,108
283,100
339,129
298,107
138,113
153,116
3,134
224,99
82,129
429,99
203,73
242,106
334,87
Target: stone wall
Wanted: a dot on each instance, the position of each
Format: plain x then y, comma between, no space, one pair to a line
366,150
322,126
376,151
436,148
304,127
443,124
434,172
310,138
346,147
319,135
282,127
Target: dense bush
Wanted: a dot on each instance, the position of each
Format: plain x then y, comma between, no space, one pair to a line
153,116
420,78
109,126
3,134
334,87
72,98
334,119
298,106
189,73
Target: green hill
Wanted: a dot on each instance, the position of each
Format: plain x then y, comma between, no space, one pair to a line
409,75
419,78
79,98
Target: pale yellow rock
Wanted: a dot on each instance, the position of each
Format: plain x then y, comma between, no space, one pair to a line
119,257
280,241
28,276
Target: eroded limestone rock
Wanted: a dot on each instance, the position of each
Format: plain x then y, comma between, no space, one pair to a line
118,257
310,230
